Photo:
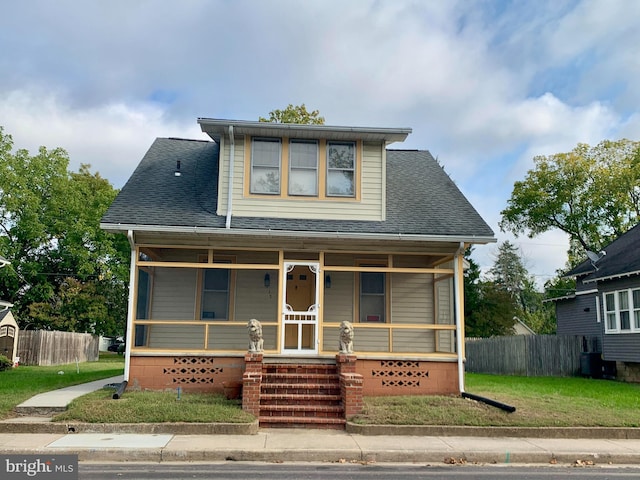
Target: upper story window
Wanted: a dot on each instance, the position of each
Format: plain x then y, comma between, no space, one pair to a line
265,165
303,167
341,167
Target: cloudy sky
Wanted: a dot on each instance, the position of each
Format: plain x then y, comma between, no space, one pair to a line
485,85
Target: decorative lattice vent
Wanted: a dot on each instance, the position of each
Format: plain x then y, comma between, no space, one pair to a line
400,373
401,383
193,360
399,364
193,370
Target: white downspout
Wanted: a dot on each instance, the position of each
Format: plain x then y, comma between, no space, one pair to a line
459,316
130,312
232,152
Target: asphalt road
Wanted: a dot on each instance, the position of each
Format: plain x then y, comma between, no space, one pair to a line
310,471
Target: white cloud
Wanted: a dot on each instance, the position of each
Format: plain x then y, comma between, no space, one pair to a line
112,138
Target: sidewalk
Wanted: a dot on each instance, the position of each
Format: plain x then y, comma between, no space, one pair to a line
280,445
171,443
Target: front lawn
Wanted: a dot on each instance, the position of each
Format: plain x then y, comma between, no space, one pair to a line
154,407
539,402
21,383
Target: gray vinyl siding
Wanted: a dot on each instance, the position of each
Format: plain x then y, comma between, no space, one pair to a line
413,341
174,294
412,298
444,302
446,341
236,337
176,337
577,316
338,300
371,340
253,299
621,347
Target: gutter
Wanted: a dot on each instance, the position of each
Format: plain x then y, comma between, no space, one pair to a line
130,312
297,233
232,153
459,316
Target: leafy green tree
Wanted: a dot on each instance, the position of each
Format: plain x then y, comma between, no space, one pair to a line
294,114
591,193
488,310
65,272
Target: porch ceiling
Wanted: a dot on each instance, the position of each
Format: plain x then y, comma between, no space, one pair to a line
301,243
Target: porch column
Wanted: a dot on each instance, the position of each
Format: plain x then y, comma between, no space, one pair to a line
351,384
251,383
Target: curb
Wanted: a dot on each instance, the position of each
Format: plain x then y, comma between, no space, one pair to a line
622,433
141,428
614,433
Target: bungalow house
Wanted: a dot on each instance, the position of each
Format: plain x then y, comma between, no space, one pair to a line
301,227
605,308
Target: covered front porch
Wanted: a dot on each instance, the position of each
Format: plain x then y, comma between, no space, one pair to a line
194,297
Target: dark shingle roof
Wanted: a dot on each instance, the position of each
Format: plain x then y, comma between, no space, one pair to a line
622,258
421,198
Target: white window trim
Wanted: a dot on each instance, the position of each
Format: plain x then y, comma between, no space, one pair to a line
632,308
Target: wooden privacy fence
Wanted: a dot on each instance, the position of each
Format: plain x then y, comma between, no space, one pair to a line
43,347
526,355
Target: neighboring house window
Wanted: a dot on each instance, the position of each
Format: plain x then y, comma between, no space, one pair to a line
265,166
623,307
215,293
341,162
303,167
622,311
372,297
610,311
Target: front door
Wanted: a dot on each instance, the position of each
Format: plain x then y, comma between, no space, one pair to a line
300,308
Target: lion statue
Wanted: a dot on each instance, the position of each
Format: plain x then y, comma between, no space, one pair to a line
346,337
255,336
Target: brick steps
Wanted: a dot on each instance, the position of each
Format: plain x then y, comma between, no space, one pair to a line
301,396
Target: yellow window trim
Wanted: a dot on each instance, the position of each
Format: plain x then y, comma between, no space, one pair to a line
363,262
284,174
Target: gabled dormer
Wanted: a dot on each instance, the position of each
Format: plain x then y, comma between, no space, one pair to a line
301,171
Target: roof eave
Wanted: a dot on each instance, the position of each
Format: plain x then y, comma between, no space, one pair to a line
611,277
122,228
216,128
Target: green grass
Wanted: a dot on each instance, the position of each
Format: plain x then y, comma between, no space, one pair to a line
154,407
539,402
21,383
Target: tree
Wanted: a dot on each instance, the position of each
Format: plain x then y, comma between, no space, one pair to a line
591,193
294,114
488,310
65,272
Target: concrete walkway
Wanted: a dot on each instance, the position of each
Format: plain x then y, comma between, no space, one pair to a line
122,443
57,401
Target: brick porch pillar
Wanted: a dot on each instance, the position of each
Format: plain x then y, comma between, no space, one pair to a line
351,384
251,382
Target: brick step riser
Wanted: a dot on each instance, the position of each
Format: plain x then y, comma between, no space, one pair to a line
280,378
301,371
302,408
301,403
299,391
322,426
297,414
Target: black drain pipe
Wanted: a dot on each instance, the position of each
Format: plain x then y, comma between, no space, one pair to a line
120,390
488,401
